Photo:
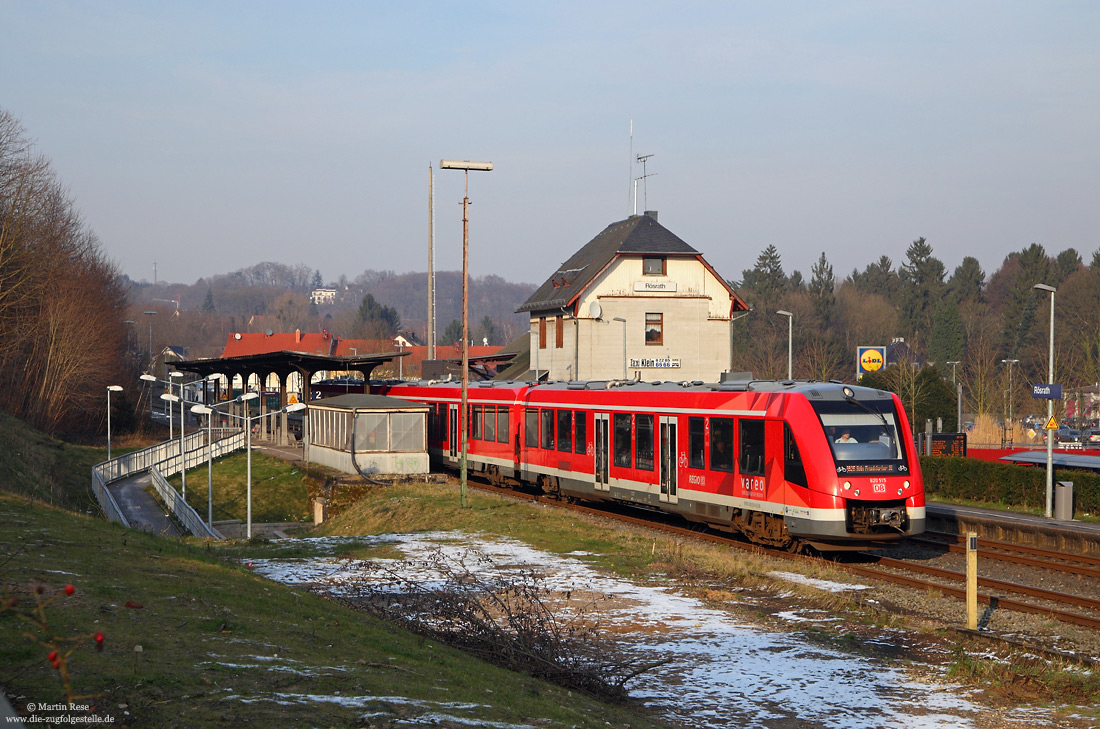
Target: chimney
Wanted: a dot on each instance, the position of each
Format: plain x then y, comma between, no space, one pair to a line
297,336
651,214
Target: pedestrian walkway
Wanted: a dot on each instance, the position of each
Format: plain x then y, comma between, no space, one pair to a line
142,509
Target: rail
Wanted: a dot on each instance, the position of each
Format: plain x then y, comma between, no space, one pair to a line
163,459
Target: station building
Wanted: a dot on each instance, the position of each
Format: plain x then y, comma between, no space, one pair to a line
636,302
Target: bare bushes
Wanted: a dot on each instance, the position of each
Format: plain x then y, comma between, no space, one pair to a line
510,618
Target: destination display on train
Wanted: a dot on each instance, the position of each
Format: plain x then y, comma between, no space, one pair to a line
876,468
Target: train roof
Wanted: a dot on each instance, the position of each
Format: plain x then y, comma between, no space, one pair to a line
812,389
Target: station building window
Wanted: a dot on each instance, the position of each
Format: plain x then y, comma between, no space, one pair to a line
654,266
542,332
559,332
654,329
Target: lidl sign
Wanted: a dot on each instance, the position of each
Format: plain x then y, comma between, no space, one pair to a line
870,359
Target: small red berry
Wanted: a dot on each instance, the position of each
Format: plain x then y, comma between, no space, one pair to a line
56,664
69,589
99,637
51,656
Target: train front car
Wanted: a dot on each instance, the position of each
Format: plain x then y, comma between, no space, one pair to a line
863,484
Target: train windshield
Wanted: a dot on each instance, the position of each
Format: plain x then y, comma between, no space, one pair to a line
864,436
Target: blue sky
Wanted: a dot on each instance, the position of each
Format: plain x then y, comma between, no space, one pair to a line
210,136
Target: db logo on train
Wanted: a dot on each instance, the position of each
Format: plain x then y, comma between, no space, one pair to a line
870,359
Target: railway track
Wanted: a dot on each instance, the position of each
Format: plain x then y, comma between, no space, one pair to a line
1076,564
904,572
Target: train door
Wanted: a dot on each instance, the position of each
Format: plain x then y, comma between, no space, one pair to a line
600,442
452,430
669,468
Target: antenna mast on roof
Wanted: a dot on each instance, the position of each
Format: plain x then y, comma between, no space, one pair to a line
630,173
645,186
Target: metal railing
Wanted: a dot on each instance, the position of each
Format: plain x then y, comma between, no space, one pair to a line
163,460
180,508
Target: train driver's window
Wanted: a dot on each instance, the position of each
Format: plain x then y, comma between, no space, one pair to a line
490,427
696,440
548,429
580,433
622,446
531,428
721,444
752,447
793,469
502,424
643,448
565,430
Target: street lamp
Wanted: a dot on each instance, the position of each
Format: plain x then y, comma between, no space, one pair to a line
1050,405
465,166
958,397
110,389
1011,397
619,318
790,340
209,413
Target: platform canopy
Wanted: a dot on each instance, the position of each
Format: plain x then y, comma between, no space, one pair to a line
284,363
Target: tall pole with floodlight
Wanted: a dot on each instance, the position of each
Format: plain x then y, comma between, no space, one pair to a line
465,166
110,389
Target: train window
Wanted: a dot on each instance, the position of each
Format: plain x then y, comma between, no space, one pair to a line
548,429
643,447
696,439
490,428
476,422
721,444
531,428
580,433
873,443
623,447
793,469
565,430
503,428
752,447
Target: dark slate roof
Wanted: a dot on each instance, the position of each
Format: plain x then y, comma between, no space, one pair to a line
358,401
637,235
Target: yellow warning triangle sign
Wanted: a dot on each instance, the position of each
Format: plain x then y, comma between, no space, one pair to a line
1052,424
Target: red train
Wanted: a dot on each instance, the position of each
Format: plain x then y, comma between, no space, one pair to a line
786,464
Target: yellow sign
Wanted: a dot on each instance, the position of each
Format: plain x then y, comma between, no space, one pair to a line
1052,424
292,398
870,359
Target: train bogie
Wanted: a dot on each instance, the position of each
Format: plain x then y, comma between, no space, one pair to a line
785,464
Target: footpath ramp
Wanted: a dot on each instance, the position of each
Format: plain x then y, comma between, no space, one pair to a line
141,509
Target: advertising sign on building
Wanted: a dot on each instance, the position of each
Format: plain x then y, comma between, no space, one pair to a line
657,363
869,359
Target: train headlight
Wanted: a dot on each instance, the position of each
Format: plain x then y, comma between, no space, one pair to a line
847,485
900,492
857,492
906,484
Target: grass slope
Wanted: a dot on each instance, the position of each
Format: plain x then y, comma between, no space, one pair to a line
194,639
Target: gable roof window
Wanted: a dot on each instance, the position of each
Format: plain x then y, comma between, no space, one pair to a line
654,266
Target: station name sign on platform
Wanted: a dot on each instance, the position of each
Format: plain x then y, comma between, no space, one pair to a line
1046,392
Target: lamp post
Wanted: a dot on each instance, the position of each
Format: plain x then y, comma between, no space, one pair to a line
790,341
110,389
958,397
209,413
1011,397
1050,406
619,318
465,166
183,416
248,447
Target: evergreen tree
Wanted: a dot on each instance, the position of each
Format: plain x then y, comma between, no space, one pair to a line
318,281
488,331
878,278
208,302
922,285
1067,263
452,334
766,279
376,321
823,289
1027,268
948,336
968,282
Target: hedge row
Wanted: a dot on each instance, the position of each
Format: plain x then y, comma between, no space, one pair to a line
1004,483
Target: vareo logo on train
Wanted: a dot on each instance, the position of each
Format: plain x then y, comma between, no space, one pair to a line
871,359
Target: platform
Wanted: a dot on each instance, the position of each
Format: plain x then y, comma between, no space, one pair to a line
1076,537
